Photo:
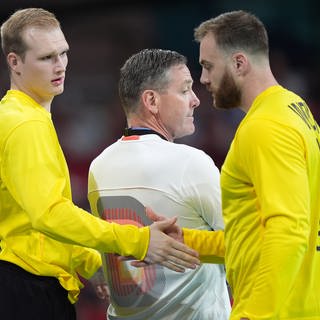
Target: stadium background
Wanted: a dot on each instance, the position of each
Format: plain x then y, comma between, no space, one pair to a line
102,34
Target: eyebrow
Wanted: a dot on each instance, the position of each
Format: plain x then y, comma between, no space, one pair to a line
56,52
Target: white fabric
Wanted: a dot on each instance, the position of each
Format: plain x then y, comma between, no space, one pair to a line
174,180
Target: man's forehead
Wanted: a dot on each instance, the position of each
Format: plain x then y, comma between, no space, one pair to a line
45,39
181,69
43,34
180,75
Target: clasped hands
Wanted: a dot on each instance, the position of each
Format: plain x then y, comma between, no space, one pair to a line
166,246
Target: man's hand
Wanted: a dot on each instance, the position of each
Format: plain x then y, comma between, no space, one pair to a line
174,231
100,286
163,250
168,252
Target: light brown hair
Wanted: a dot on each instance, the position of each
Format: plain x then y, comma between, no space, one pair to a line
12,29
236,30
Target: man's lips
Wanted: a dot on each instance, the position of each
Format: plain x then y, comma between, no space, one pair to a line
57,81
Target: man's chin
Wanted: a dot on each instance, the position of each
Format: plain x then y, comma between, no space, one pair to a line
58,91
185,133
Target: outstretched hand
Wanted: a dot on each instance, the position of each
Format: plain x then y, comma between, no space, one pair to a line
174,231
166,246
167,251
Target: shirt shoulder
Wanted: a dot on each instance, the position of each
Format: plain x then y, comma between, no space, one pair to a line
155,149
17,108
279,105
21,115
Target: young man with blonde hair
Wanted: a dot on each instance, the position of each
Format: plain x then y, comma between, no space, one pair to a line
46,240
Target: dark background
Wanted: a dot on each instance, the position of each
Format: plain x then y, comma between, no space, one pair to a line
103,34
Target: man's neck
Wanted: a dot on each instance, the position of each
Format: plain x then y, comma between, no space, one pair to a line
152,124
45,103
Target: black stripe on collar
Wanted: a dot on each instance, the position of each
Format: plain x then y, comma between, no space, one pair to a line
141,131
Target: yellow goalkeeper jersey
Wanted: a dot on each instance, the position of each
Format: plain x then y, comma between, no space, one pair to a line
41,230
271,205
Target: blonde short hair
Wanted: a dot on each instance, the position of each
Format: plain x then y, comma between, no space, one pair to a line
12,29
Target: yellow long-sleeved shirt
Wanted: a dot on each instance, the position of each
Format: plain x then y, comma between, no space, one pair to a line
271,205
41,230
209,244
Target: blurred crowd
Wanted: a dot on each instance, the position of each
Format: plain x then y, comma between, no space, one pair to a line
88,115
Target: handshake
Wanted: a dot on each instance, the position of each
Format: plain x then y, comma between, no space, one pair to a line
166,246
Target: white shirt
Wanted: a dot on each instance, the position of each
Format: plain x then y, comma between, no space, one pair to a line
174,180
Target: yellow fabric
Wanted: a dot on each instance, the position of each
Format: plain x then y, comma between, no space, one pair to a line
271,205
40,228
209,244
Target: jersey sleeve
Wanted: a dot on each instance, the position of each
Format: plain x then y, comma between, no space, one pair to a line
86,261
209,244
275,160
33,172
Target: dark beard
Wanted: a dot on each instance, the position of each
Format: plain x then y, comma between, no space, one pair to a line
228,95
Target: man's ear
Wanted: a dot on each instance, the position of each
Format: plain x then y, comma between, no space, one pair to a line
240,63
13,61
150,100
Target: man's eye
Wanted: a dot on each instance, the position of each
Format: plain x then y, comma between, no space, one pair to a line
46,58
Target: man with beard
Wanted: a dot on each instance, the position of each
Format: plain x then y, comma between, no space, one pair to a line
270,179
